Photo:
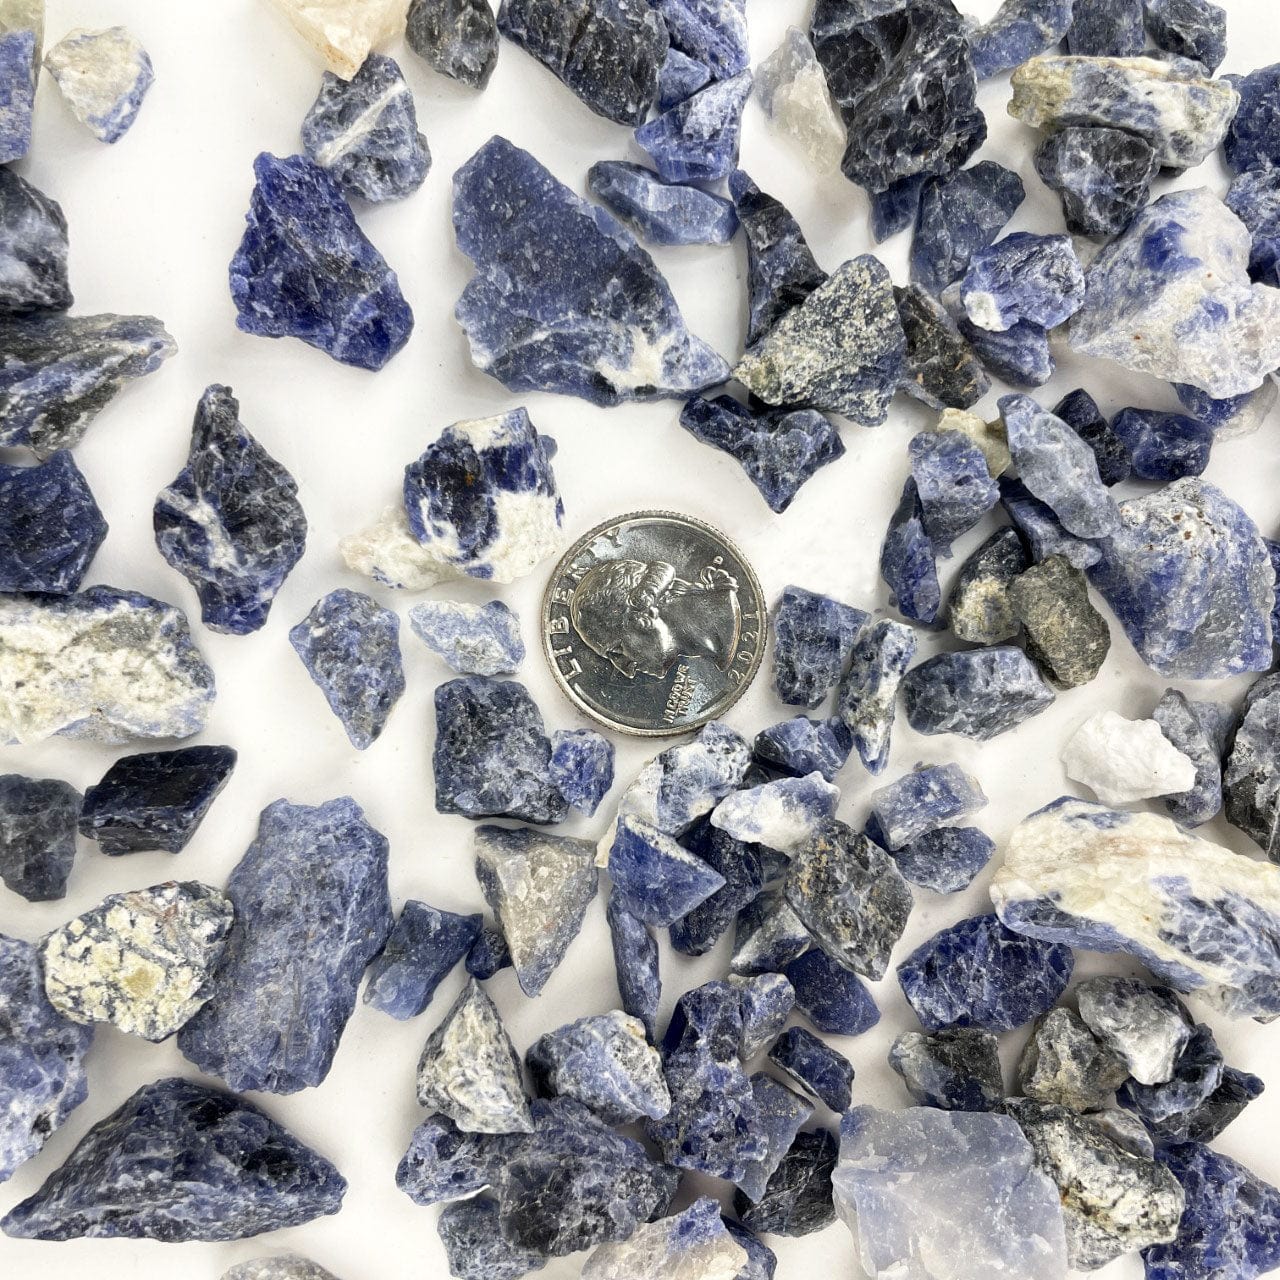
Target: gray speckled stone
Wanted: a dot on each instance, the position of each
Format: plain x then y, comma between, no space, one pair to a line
1065,1064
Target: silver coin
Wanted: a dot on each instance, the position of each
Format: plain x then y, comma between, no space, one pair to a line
653,623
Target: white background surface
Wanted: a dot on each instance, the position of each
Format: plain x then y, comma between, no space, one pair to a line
154,221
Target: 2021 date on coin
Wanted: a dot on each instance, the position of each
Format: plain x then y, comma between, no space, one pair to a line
653,623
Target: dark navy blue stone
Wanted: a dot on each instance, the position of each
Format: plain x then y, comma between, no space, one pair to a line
803,745
155,800
1198,730
897,207
835,1000
350,645
581,767
459,38
1080,412
1273,551
1253,140
424,946
305,269
696,932
941,367
798,1197
907,562
489,953
230,522
655,878
444,1162
815,1066
181,1161
1195,29
769,934
1254,197
1019,355
1251,779
1163,446
50,526
779,449
713,31
1205,1121
978,693
813,636
666,213
1107,29
697,140
1102,175
475,1247
1019,31
18,68
1023,278
762,1262
979,974
37,835
954,485
946,859
33,246
680,77
955,1069
961,213
1042,529
635,960
1196,1075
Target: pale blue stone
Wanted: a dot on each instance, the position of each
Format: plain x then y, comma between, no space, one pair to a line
1020,355
978,693
581,767
813,637
780,1113
635,960
1253,141
836,1001
1020,30
664,213
680,77
868,696
697,140
424,946
713,31
907,562
17,92
1042,529
803,745
1023,278
104,76
33,247
921,800
655,879
955,487
1164,446
480,640
780,814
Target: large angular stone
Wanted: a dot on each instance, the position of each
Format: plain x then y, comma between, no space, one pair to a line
1063,1063
1020,30
978,693
312,910
908,564
1145,1026
33,247
665,213
954,1069
422,949
814,636
942,369
1194,29
342,33
1164,446
868,694
459,38
37,835
474,639
979,609
1251,781
1102,175
1042,530
1065,634
791,86
1020,356
104,76
803,745
697,140
1023,279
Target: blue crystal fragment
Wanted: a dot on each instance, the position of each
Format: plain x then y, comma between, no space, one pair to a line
581,767
779,1115
459,38
1106,29
1215,1114
423,947
50,526
945,859
666,213
815,1066
1164,446
941,367
1023,278
769,934
489,953
813,636
475,1247
1020,355
492,756
961,213
979,974
1195,29
104,76
1253,140
766,1001
479,640
1020,30
867,700
779,449
230,521
978,693
955,487
955,1069
1234,415
33,247
181,1161
154,800
797,1199
298,948
444,1162
17,92
305,269
713,31
697,140
907,562
655,879
835,1000
1196,1074
350,645
1042,529
364,131
680,77
696,932
1103,176
1254,197
635,959
37,835
564,299
896,207
802,746
762,1262
1080,412
1250,779
922,800
1195,728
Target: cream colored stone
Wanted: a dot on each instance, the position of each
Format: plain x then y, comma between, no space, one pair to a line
344,32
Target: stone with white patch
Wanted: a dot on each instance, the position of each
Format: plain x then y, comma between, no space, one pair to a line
1123,760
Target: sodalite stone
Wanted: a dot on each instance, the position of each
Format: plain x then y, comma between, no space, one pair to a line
1251,781
781,270
1147,1027
1020,30
1023,278
791,86
1064,1064
1190,580
814,1065
797,1199
1065,634
364,131
712,31
680,77
104,664
350,646
813,637
1196,1074
61,371
33,247
422,949
37,835
288,1266
104,76
459,38
19,66
1135,883
769,934
922,800
489,953
842,349
955,1069
978,693
1210,1118
941,368
696,932
492,756
978,973
50,526
155,800
604,1062
946,859
1103,176
803,745
1080,412
1254,197
897,207
1193,29
298,949
779,449
444,1162
961,213
780,1113
635,961
946,1195
955,487
342,33
581,767
1043,530
907,562
766,1001
1172,297
695,1243
230,521
181,1161
1164,446
1021,355
474,639
783,814
868,695
654,878
762,1262
608,52
1107,29
1251,142
564,300
1198,730
697,140
835,1000
539,887
668,213
1181,112
979,609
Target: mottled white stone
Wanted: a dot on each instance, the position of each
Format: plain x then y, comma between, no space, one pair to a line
24,15
343,32
1145,1026
1123,760
988,436
792,88
693,1245
288,1266
783,814
103,75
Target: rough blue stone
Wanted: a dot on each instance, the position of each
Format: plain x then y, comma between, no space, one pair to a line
697,140
955,487
1103,176
656,880
1043,530
104,75
779,1114
979,609
954,1069
941,367
423,947
713,31
17,92
59,371
608,52
1020,29
1254,197
444,1162
482,640
978,693
474,1245
230,521
961,213
1230,1228
1194,728
867,699
769,934
305,269
945,859
364,131
581,767
1196,1074
813,636
696,932
635,960
312,910
1020,355
154,800
1195,29
835,1000
779,449
797,1199
896,207
37,835
1251,780
489,953
781,270
50,526
814,1065
33,247
1208,1119
492,756
1190,580
767,1000
181,1161
1023,278
1163,446
459,38
907,562
350,645
979,974
680,77
1253,140
667,213
922,800
1273,550
762,1262
803,745
564,299
1080,412
1106,29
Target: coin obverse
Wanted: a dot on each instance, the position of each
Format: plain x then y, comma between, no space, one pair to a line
653,623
